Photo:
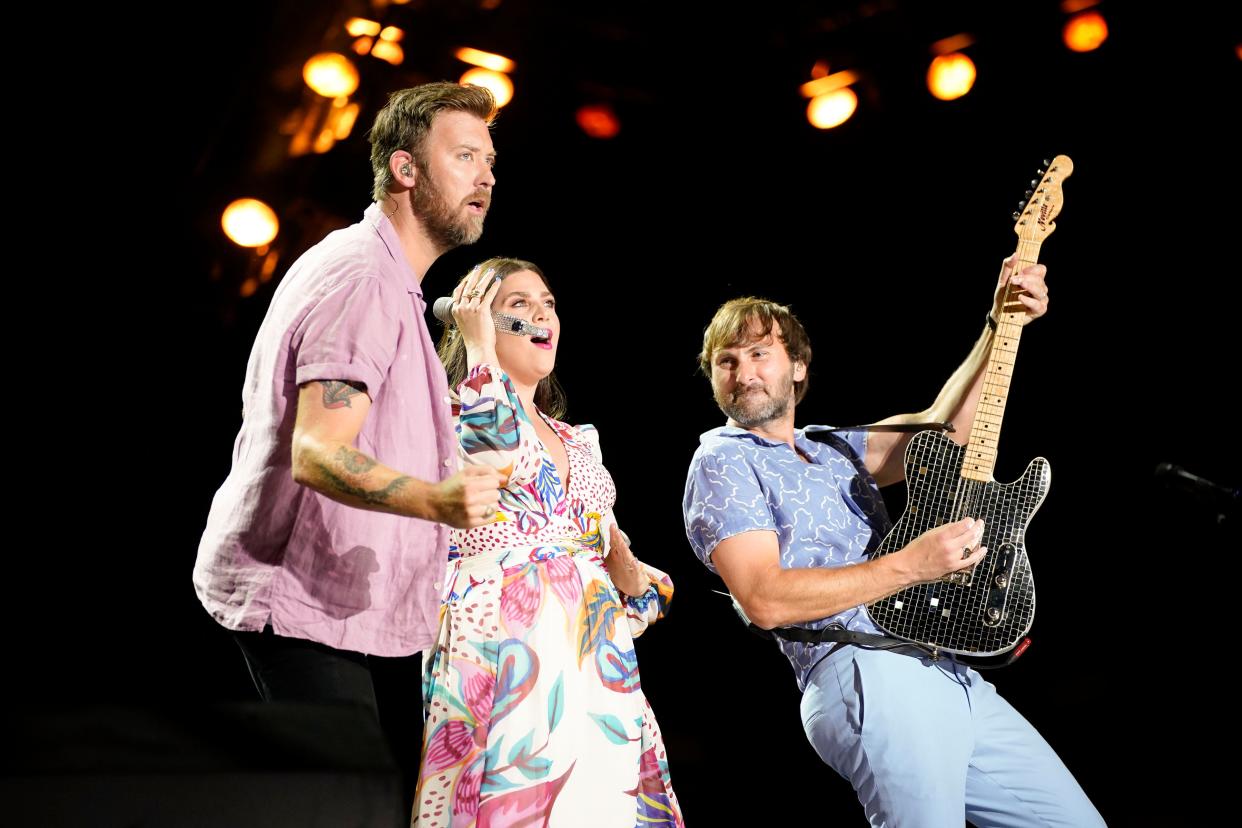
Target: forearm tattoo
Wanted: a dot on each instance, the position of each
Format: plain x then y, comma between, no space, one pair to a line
354,461
376,497
337,393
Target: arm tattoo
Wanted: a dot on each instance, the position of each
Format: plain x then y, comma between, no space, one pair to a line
336,393
354,461
377,497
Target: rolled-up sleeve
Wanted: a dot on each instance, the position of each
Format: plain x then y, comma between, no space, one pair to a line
349,334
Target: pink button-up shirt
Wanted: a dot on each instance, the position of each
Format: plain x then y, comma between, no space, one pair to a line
273,551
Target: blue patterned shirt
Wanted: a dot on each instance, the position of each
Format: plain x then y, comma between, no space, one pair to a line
825,513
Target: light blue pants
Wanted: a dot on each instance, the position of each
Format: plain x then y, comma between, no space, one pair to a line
930,743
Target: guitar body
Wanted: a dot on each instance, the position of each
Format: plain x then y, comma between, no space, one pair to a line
981,612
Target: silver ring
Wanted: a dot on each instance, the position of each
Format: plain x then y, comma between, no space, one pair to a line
474,294
965,552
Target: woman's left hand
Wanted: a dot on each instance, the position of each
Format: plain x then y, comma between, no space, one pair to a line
628,575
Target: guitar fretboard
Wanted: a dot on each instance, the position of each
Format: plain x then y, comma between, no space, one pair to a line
980,459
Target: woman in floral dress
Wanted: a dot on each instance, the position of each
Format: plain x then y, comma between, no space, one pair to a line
535,712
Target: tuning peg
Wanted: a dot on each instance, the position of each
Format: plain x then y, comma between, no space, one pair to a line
1047,163
1034,183
1021,206
1029,193
1016,215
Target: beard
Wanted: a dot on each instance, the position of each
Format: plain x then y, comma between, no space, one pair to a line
446,226
758,404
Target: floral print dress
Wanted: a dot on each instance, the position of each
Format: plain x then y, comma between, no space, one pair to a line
535,712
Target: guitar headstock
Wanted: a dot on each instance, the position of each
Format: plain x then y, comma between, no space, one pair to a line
1043,201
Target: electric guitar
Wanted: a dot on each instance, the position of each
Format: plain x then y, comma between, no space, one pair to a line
987,609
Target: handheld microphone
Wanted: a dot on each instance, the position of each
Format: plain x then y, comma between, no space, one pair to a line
442,309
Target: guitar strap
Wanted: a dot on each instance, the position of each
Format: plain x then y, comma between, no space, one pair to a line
841,636
870,641
811,431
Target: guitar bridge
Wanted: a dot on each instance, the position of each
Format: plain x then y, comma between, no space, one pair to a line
963,577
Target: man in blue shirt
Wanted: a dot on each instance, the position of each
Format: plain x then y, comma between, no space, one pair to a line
790,524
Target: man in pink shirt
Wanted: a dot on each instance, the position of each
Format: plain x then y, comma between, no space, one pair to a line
326,545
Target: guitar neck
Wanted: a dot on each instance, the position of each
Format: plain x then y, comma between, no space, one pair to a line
980,459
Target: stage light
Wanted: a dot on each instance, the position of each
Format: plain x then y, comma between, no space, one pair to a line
833,109
388,47
497,83
832,100
388,51
487,60
341,121
249,222
331,75
823,84
951,76
951,73
1085,32
598,121
359,26
319,124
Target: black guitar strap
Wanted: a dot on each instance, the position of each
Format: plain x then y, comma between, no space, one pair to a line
870,641
811,431
833,632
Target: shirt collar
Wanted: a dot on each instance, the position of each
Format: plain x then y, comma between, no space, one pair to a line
807,446
375,217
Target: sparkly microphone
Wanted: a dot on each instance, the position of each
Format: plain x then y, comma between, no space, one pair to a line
443,310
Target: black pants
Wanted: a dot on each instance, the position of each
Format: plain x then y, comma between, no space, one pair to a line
292,669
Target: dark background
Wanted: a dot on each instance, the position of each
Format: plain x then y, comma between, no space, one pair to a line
884,235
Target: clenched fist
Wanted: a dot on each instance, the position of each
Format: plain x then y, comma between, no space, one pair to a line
468,498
